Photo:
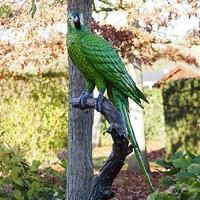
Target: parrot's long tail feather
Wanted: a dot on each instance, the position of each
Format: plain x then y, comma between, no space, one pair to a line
133,141
121,103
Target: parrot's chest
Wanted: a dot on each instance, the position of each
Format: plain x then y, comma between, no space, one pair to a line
80,60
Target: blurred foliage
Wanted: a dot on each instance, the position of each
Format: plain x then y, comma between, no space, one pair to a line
99,161
5,11
183,180
154,114
21,181
105,137
23,36
33,113
182,111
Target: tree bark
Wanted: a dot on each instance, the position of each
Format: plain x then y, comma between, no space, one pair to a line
80,169
136,113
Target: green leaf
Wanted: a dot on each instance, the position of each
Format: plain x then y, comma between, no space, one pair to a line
15,172
167,181
15,160
194,168
36,163
160,196
152,196
35,186
30,194
182,176
165,196
196,160
177,155
18,195
19,182
27,182
33,8
182,163
163,163
195,196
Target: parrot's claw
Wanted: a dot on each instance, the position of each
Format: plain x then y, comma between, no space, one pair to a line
99,102
83,98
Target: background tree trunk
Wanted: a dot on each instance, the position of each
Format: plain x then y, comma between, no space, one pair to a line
137,113
80,169
137,119
96,128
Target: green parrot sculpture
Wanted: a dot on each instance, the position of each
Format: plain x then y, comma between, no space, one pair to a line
102,67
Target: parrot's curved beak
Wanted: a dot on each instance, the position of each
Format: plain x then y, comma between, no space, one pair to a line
77,22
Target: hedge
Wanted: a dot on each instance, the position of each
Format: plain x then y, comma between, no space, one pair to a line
182,115
33,114
154,114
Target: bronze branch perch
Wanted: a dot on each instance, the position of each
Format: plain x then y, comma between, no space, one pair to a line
101,188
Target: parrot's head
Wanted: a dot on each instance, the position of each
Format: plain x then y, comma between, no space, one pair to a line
75,20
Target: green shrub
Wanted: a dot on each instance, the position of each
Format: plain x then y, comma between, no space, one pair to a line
154,114
182,111
105,138
21,181
183,180
33,114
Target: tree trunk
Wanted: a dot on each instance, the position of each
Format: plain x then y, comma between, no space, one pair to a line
137,119
80,169
96,128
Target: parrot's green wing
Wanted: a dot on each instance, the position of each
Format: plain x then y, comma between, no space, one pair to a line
110,66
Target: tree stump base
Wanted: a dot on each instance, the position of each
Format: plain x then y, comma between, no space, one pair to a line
101,188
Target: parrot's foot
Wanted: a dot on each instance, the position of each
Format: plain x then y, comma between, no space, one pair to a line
99,102
82,99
